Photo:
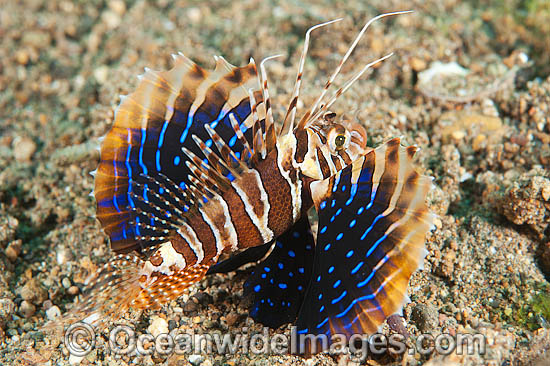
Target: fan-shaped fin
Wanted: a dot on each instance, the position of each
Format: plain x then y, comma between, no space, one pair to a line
372,222
151,126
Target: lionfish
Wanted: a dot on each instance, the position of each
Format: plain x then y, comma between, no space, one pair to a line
194,167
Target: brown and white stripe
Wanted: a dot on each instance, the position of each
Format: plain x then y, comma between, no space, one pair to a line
256,203
287,166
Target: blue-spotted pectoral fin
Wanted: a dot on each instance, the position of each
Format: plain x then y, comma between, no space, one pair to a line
151,127
278,283
373,219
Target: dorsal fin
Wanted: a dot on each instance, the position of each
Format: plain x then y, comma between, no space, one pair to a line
151,127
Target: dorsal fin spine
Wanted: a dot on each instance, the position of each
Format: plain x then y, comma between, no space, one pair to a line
234,162
268,124
240,137
318,103
288,124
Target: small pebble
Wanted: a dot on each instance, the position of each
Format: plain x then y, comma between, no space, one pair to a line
204,298
209,324
7,307
172,325
27,309
8,228
158,326
65,282
194,15
53,313
190,306
37,39
13,250
22,57
232,318
195,359
417,64
23,148
426,317
118,6
396,324
221,296
101,74
33,292
62,255
111,19
73,290
458,135
479,142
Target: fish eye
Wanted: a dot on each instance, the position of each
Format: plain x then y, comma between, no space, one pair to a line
338,138
339,141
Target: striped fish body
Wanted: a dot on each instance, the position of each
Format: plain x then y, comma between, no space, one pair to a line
194,167
260,205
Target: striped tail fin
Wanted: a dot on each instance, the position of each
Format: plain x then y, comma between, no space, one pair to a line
373,219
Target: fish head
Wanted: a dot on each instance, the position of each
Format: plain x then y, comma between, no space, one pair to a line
328,145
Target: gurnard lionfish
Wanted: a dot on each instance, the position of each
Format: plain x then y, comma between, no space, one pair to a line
194,167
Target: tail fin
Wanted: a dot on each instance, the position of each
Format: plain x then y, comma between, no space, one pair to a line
124,283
